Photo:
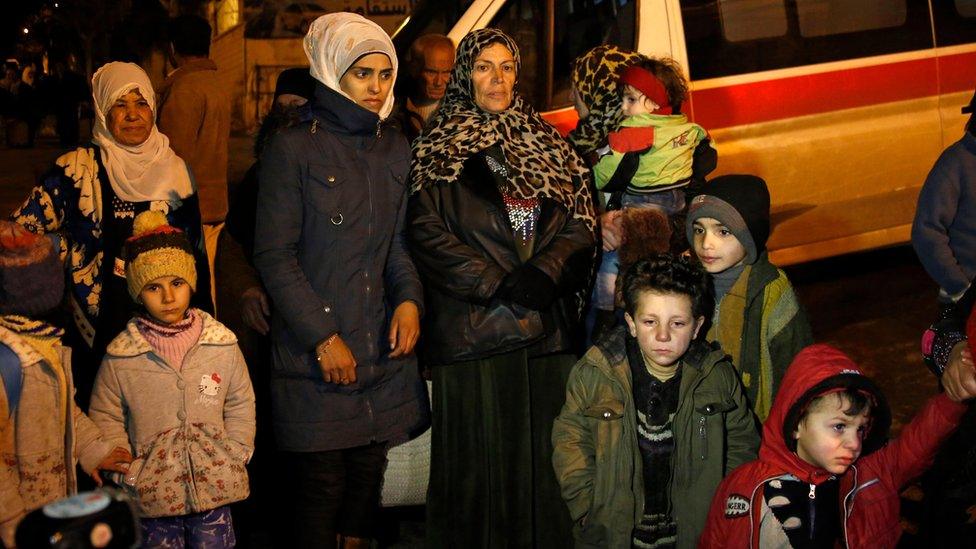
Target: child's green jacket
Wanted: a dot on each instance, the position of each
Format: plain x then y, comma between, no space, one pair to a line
597,460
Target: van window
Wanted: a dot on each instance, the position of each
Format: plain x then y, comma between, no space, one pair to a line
823,17
581,25
966,8
751,19
551,34
955,22
730,37
429,17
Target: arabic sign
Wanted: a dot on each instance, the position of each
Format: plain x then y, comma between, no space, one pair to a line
291,18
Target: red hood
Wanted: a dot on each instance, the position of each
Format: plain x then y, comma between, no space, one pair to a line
816,366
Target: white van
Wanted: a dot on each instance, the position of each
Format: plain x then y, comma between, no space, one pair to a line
842,106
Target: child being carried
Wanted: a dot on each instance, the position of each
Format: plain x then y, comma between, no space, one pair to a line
650,160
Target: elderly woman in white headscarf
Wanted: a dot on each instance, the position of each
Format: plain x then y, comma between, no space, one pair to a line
92,195
330,248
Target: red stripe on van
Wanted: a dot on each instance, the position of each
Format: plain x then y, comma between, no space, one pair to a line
811,94
958,72
816,93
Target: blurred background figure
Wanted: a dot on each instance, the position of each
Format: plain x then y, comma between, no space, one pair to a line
194,112
429,65
8,85
27,108
944,231
70,91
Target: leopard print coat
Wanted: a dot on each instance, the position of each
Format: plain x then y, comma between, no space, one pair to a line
595,76
540,161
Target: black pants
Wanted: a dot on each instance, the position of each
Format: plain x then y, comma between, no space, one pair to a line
335,492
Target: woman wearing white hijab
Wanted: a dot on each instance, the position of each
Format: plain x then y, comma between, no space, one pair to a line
92,195
330,247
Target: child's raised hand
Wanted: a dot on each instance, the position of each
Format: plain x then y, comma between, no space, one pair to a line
117,460
611,230
959,377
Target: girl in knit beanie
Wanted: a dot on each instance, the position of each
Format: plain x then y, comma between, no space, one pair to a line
174,388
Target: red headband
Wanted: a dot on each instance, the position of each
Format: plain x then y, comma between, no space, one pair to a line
646,83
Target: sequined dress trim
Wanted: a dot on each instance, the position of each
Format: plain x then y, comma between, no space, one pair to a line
523,213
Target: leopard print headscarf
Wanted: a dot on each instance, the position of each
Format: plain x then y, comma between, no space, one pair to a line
595,75
540,161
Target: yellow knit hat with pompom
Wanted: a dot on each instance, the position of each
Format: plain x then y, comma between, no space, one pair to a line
156,249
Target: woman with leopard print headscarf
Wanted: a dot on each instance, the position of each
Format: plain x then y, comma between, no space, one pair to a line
502,232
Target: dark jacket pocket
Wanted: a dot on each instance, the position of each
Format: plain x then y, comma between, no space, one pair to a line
607,411
710,410
323,190
710,406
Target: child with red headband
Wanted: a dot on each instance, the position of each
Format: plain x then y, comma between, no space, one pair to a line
649,161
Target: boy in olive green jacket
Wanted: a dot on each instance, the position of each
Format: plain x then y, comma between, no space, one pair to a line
653,419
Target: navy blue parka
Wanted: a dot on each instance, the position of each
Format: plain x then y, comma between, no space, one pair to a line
330,249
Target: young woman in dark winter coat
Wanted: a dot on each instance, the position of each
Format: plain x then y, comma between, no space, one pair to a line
346,297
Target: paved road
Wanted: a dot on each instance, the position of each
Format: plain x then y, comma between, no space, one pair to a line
875,306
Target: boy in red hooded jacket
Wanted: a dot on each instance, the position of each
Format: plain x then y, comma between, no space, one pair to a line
825,476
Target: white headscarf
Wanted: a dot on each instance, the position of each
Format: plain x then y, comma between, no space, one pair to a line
145,172
336,40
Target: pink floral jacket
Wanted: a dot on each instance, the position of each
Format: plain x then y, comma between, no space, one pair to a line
191,431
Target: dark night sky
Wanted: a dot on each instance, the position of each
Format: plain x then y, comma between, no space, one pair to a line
12,21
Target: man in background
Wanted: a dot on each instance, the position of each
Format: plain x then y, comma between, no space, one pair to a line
429,65
194,112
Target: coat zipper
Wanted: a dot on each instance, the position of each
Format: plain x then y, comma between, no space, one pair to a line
369,240
812,508
847,511
701,428
704,440
67,422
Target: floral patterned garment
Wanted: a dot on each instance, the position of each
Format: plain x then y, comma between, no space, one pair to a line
190,430
69,200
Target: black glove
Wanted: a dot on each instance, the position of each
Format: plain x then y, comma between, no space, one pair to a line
528,286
